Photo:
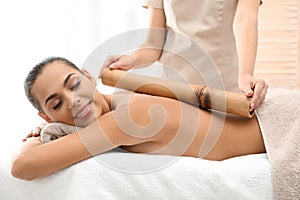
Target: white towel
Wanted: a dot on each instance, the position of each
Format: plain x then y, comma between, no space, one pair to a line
55,130
279,118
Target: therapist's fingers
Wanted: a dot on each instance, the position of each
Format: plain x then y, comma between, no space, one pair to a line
117,65
249,93
124,62
110,60
245,84
260,88
262,97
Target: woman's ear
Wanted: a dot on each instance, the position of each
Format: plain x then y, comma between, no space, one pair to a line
88,75
45,117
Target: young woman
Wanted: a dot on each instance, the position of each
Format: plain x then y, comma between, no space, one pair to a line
135,122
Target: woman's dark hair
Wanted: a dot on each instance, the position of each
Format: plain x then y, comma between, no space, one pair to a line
36,71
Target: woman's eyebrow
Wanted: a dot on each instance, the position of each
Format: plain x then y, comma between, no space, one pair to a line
50,97
67,79
65,83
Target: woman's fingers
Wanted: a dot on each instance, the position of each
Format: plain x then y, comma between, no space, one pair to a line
29,135
35,132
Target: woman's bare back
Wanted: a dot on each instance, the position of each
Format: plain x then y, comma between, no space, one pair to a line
175,128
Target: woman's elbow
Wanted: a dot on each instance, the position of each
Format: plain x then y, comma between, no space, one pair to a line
22,168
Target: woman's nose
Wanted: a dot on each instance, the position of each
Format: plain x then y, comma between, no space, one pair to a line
73,101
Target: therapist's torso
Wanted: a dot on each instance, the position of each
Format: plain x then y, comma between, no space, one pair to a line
200,45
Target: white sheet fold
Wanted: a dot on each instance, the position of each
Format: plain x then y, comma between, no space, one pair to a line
246,178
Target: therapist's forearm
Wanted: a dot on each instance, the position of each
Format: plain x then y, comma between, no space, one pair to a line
146,56
246,35
152,48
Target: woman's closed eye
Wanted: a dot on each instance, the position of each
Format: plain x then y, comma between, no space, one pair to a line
75,85
57,104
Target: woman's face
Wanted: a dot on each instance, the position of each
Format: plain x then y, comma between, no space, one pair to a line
66,95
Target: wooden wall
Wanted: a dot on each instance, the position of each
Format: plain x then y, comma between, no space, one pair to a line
278,57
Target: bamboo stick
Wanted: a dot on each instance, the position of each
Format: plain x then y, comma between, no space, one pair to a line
196,95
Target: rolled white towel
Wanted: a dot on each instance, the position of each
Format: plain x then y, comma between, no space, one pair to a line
55,130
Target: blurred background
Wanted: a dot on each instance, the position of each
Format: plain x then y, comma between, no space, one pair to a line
32,30
278,56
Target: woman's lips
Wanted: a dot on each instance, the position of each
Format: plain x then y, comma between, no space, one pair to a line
83,111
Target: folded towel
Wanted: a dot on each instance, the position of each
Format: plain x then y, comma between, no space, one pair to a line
55,130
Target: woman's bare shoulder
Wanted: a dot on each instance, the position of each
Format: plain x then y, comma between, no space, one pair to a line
126,98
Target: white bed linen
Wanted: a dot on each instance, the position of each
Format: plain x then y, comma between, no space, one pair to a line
147,177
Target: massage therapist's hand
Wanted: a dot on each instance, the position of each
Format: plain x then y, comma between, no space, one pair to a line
255,88
123,62
36,132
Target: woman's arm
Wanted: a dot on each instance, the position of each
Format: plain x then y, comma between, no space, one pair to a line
35,160
150,51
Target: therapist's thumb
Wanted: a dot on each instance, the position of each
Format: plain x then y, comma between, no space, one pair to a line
115,65
247,90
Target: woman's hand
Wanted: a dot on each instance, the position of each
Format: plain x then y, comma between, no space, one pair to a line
36,132
255,88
